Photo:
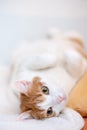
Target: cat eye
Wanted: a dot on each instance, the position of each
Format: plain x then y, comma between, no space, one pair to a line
49,111
45,90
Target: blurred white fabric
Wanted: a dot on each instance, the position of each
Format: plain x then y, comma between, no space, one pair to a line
50,8
30,20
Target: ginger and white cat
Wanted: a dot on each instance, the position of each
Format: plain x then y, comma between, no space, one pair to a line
59,62
40,98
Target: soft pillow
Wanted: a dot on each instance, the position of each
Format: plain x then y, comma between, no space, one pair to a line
78,96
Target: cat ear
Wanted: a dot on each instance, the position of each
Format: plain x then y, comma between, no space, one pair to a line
24,116
22,86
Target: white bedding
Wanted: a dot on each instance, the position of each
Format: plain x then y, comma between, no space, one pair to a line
69,120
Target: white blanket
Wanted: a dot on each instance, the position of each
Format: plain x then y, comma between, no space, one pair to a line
69,120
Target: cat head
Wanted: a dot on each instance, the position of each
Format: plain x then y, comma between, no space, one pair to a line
40,98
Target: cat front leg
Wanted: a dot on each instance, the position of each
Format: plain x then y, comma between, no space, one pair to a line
74,63
40,61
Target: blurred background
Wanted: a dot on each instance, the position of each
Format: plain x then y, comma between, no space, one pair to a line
31,19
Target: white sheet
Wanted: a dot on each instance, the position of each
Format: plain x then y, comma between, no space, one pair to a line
69,120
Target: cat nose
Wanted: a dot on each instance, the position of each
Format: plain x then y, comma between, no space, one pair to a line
61,98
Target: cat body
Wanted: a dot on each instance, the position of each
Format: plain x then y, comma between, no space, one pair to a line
59,61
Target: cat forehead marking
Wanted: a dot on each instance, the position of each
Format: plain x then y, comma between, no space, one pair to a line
34,97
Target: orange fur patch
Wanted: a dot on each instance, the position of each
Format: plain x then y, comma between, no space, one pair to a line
79,46
82,52
77,41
